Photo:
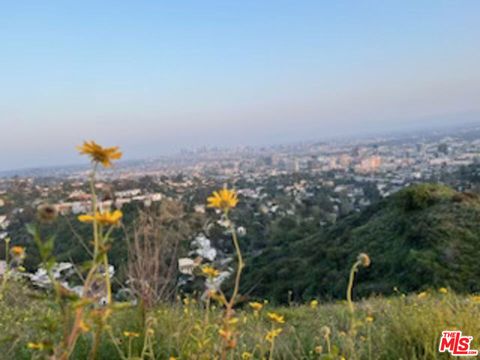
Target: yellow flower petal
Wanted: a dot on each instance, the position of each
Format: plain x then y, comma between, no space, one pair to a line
100,154
224,199
105,218
279,319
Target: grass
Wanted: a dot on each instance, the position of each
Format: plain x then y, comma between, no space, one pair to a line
401,327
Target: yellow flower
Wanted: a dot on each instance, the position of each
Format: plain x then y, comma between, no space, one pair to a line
443,290
279,319
422,295
246,355
226,334
35,346
172,358
476,298
318,349
18,252
105,218
83,326
272,334
100,154
131,334
210,271
223,199
369,319
314,304
233,321
256,306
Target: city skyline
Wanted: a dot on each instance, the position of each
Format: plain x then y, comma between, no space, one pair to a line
157,77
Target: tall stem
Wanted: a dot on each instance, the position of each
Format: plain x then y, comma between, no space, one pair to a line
108,284
352,309
94,210
240,264
230,304
350,286
272,345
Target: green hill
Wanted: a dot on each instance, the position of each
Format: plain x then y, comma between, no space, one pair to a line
424,236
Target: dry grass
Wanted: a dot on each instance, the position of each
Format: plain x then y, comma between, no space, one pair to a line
387,328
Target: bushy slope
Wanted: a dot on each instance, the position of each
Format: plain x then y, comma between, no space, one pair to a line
424,236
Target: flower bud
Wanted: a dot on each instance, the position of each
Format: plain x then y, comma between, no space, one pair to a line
47,213
364,259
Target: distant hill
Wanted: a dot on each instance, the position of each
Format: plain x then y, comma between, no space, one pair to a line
423,236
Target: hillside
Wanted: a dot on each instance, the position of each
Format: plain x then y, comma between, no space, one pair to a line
423,236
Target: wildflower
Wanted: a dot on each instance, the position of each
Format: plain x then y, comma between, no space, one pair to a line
313,304
272,334
232,344
83,327
100,154
318,349
226,334
36,346
233,321
172,358
443,290
131,334
256,306
210,271
422,295
150,332
369,319
223,199
279,319
105,218
246,355
364,259
18,252
476,298
47,213
325,331
214,295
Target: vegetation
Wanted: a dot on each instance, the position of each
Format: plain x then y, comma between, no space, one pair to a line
397,327
424,236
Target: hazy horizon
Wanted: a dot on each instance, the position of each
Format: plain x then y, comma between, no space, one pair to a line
155,77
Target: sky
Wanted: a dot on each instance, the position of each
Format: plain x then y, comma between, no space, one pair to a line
154,76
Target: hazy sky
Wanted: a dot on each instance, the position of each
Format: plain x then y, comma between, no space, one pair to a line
155,76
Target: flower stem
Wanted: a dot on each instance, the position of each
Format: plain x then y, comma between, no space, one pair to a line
350,286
